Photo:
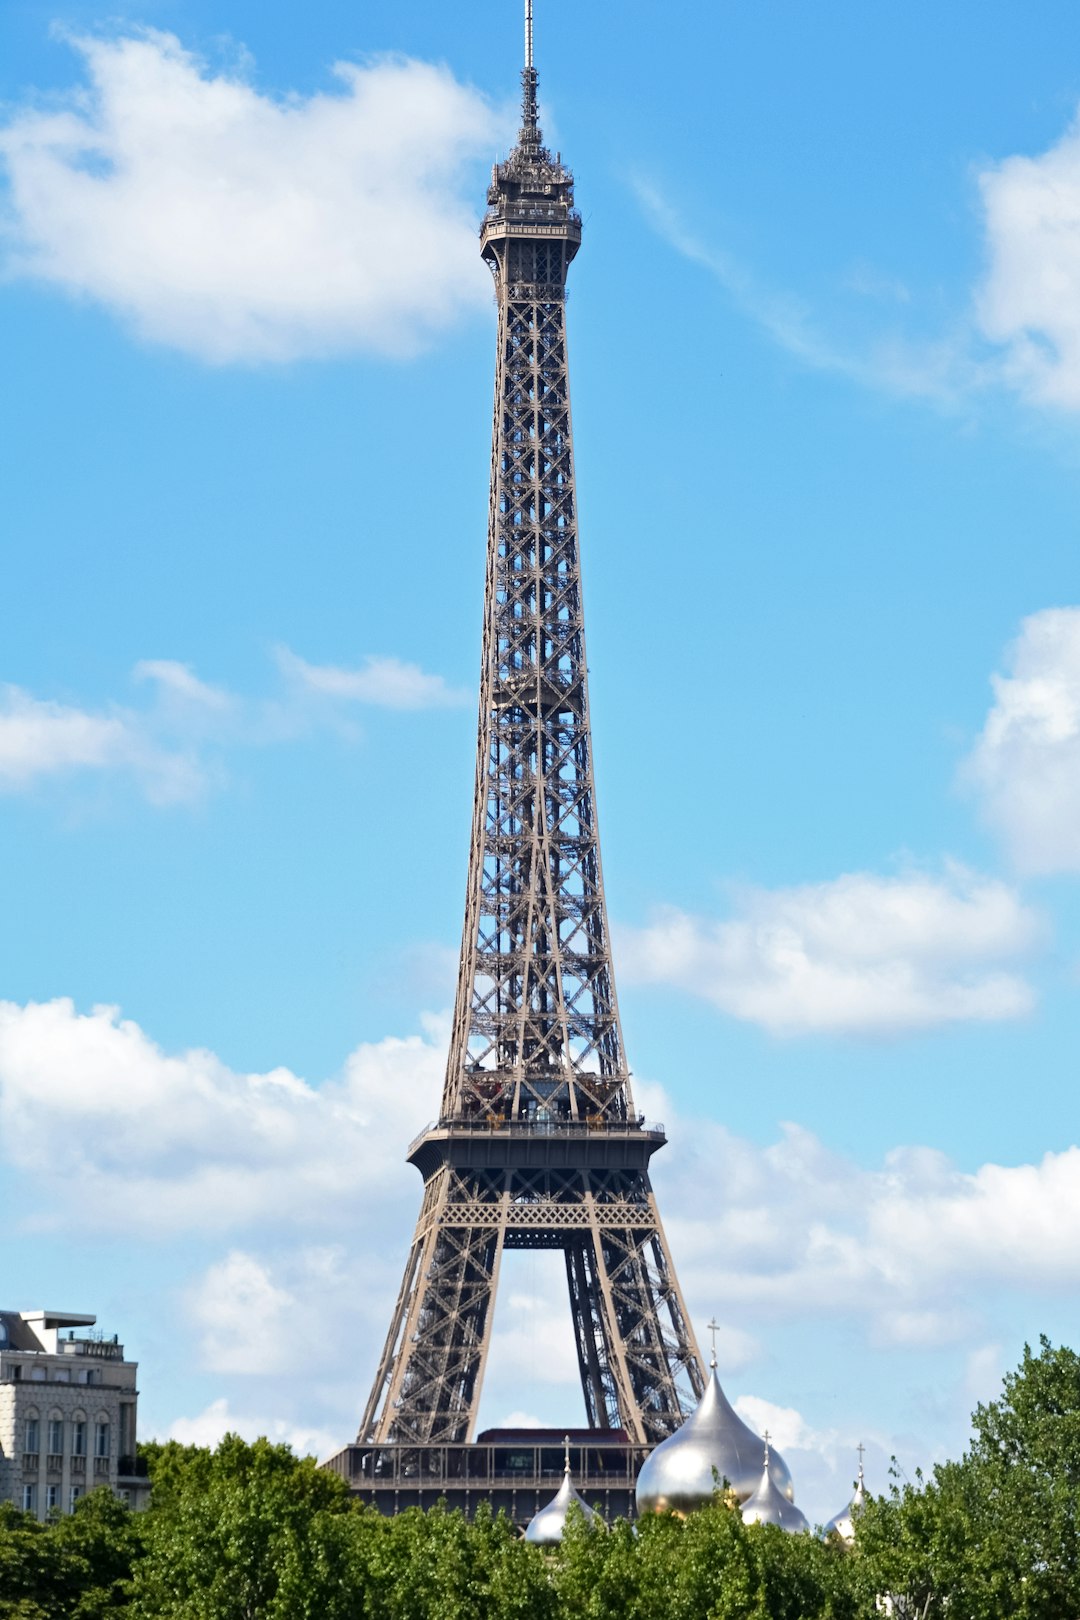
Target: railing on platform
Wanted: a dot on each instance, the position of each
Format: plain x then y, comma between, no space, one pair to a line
496,1124
596,1466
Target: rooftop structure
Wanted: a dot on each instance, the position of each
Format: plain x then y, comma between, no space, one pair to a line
68,1401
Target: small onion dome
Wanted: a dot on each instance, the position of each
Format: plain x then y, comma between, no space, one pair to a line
546,1527
844,1523
713,1444
768,1506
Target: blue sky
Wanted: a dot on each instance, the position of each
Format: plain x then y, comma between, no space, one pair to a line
826,372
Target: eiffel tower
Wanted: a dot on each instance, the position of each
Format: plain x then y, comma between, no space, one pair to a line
537,1145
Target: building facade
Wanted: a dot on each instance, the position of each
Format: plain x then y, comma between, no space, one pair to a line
68,1400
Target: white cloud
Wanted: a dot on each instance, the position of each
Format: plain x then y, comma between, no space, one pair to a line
104,1121
938,371
257,1316
861,954
245,1317
240,225
824,1462
1030,298
217,1420
172,747
95,1121
908,1250
788,1429
38,738
41,739
1026,763
101,1121
385,683
181,682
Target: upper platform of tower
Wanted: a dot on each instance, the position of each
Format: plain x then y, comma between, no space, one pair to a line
532,194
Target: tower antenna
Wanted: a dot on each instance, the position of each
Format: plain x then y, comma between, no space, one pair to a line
529,114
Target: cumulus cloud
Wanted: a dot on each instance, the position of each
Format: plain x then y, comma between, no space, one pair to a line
1030,298
298,1198
385,683
1026,763
240,225
862,954
102,1121
252,1314
244,1316
908,1248
105,1121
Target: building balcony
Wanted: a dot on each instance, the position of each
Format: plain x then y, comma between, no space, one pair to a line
54,1463
78,1465
101,1467
31,1461
133,1468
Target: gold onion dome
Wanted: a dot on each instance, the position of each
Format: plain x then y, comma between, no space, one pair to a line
844,1523
546,1527
713,1445
768,1506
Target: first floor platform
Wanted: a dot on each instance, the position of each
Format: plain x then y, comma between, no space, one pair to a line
516,1471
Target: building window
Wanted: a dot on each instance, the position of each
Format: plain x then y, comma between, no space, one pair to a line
74,1494
29,1498
56,1436
78,1437
31,1440
101,1438
52,1497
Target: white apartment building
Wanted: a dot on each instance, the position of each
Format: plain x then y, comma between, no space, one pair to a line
67,1413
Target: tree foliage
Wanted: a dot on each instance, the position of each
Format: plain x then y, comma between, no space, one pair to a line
996,1533
251,1532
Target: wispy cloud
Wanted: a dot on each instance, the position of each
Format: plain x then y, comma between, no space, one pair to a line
237,225
174,746
941,372
385,683
42,739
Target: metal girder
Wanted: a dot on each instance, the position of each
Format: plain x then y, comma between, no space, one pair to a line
536,1041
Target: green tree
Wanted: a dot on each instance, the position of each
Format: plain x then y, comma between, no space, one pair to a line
998,1532
710,1566
75,1568
29,1567
227,1531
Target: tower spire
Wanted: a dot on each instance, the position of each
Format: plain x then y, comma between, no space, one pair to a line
530,127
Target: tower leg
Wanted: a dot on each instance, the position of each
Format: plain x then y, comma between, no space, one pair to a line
432,1368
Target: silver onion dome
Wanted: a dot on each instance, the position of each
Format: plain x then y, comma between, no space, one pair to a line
713,1445
768,1506
844,1523
546,1527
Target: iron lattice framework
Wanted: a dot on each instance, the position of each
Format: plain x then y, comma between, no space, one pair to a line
538,1144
